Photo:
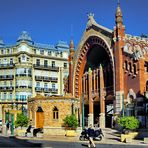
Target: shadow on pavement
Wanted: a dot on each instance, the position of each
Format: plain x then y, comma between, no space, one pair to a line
14,142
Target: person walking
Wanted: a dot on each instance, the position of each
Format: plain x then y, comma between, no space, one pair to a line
91,134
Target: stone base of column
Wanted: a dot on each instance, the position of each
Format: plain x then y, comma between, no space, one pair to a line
119,102
102,120
90,119
80,120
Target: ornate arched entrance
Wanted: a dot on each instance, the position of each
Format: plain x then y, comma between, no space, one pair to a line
94,79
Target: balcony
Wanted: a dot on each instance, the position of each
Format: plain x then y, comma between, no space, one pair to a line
6,88
38,78
23,86
46,90
23,75
7,77
46,67
38,89
53,79
8,65
53,90
46,79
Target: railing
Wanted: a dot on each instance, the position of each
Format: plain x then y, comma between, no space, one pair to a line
53,79
38,89
46,67
23,75
47,90
48,79
23,86
39,78
53,90
8,65
6,88
6,77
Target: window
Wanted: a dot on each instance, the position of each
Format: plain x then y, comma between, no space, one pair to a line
55,113
130,67
34,51
38,84
53,86
49,52
53,63
126,65
2,51
45,85
23,58
5,83
41,51
10,83
147,86
19,59
11,61
5,96
65,65
45,63
134,68
146,66
38,62
10,96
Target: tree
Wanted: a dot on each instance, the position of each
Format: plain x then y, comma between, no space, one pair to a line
21,120
71,121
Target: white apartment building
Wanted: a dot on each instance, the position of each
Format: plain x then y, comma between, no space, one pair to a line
28,68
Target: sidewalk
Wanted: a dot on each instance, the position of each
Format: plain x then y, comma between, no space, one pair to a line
111,136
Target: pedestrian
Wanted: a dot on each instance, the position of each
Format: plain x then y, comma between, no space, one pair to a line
91,134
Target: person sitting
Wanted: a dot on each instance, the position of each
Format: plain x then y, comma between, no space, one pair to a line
28,130
91,134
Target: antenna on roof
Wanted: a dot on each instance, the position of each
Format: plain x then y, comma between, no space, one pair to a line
118,2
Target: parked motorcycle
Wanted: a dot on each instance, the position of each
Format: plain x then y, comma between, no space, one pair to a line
97,136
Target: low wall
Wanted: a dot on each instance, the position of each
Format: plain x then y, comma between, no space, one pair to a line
142,133
58,131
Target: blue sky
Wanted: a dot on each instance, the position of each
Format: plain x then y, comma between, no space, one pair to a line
48,21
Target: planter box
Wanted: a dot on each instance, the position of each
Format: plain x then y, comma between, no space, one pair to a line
70,133
128,136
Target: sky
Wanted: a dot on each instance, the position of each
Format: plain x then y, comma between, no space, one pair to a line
48,21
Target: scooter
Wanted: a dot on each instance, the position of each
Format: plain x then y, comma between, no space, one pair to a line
84,135
97,136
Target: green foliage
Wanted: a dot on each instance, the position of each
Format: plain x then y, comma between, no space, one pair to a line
71,121
130,123
21,120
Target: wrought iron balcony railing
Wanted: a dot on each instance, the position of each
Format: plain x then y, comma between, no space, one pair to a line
46,67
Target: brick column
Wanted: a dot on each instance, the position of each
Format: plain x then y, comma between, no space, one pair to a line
102,100
91,104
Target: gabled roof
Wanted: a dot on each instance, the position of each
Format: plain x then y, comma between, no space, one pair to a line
91,22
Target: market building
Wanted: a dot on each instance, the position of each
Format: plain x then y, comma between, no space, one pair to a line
108,72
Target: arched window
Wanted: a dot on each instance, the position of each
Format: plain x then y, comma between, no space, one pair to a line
147,86
126,65
134,69
130,67
55,113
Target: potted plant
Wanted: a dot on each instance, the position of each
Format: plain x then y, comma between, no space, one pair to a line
70,123
129,125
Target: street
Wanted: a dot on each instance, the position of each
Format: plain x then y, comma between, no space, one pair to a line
14,142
